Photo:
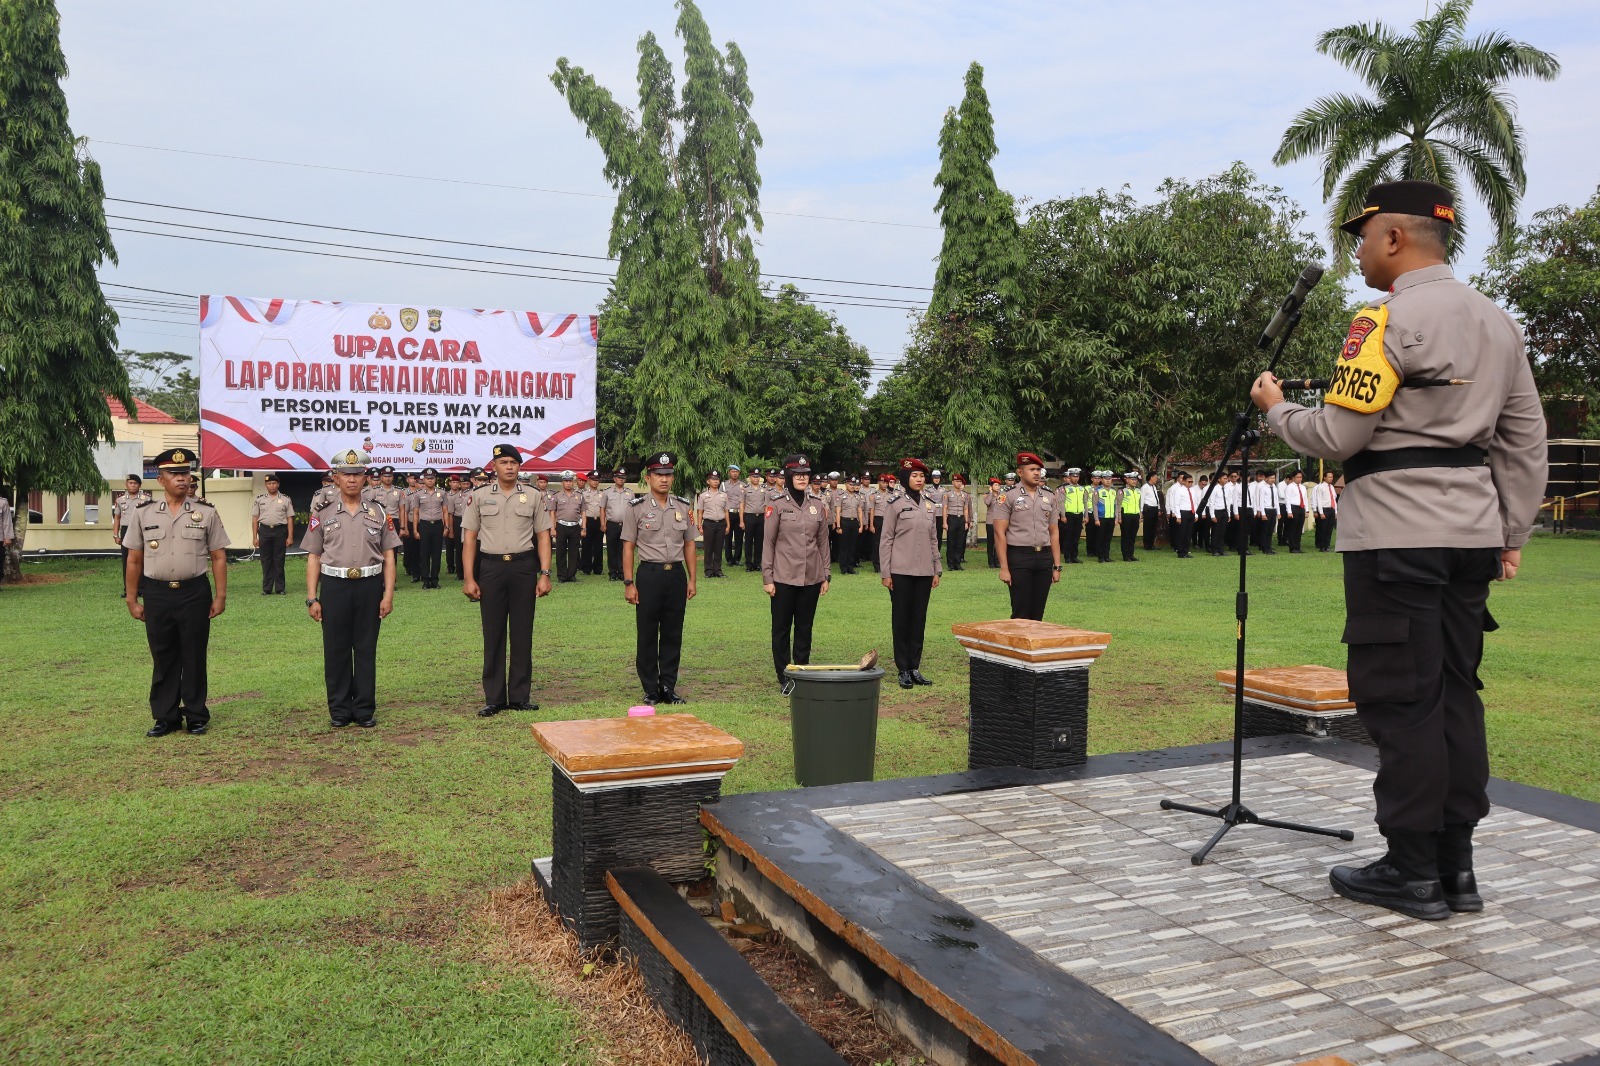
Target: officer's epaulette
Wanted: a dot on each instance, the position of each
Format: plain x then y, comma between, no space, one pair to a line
145,503
636,501
325,503
683,501
895,495
199,502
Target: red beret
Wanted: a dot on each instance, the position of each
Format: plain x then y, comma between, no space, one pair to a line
911,466
1026,458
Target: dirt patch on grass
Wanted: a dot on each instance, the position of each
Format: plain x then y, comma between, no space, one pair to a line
846,1026
403,736
946,714
318,769
50,579
275,865
427,925
232,697
623,1024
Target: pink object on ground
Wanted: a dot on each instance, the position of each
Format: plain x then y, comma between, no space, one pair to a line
643,711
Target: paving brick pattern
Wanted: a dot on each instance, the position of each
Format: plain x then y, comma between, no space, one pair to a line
1252,959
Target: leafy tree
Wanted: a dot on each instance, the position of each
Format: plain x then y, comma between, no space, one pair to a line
164,380
687,191
966,337
1438,112
1143,317
58,358
904,416
1549,275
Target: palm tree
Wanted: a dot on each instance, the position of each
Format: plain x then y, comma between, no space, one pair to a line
1438,111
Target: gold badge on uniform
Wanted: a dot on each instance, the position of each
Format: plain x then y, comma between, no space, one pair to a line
676,517
155,544
198,518
813,508
522,497
928,504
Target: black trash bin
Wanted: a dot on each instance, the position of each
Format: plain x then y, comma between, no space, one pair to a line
833,716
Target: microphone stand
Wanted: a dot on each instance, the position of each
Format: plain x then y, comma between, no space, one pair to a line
1234,812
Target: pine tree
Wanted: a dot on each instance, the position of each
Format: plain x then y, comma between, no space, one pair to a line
977,291
58,357
687,201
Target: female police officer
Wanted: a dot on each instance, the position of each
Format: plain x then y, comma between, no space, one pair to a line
794,562
909,550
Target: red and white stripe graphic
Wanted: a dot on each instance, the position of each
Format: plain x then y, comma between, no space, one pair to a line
230,444
568,443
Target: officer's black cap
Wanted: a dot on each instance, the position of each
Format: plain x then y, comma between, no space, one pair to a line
270,479
661,463
796,464
175,459
135,478
507,451
386,470
429,471
619,472
1405,198
714,474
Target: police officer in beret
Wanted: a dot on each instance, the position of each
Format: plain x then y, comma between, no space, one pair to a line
350,571
909,549
1442,487
506,548
1028,538
794,562
180,539
658,553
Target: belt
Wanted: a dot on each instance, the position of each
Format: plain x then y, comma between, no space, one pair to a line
560,522
179,584
1370,462
352,572
505,558
1027,547
660,566
263,525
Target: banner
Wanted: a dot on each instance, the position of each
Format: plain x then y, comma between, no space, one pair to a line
286,383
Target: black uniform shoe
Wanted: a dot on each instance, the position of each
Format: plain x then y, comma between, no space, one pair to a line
1461,892
1383,885
197,730
161,729
367,723
916,676
672,697
337,724
489,712
905,679
529,706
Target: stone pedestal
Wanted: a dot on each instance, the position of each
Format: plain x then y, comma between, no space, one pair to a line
1029,692
1313,700
626,792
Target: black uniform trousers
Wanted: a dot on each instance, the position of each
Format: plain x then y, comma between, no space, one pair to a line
1218,543
1104,532
714,533
1152,522
274,543
956,556
568,544
863,546
593,546
1182,533
1031,571
452,550
794,607
988,542
1071,533
122,538
1202,530
1283,527
849,539
177,625
735,539
412,547
614,549
755,527
430,539
908,613
350,625
1414,625
510,593
1264,525
1130,530
658,624
1327,522
1296,528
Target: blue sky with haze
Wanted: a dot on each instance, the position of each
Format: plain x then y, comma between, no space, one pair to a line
849,97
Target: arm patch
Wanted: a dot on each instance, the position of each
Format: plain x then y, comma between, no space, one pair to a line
1362,379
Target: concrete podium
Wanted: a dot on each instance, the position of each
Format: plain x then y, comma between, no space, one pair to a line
1029,692
1312,700
626,792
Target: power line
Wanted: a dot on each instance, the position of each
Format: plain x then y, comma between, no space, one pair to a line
464,181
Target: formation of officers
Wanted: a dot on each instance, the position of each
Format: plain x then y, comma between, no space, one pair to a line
507,535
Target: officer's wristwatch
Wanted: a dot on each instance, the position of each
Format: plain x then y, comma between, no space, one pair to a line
544,573
1057,569
310,602
627,582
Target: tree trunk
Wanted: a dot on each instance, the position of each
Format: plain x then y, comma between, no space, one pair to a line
11,565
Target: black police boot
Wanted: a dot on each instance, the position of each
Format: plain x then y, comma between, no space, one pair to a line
905,679
1405,880
672,697
1455,867
489,711
530,705
161,729
917,678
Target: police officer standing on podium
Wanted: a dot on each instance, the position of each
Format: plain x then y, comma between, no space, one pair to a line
350,555
179,539
1028,539
1442,487
658,557
505,547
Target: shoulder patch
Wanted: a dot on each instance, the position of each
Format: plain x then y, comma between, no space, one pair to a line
198,502
144,503
1362,379
636,501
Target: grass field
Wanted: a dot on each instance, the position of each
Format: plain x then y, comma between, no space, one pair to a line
277,891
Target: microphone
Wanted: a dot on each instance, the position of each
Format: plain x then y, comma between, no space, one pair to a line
1291,304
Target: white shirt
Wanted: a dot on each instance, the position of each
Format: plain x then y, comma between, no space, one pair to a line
1180,498
1294,495
1149,496
1323,498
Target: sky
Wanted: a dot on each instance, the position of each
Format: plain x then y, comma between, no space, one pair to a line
848,96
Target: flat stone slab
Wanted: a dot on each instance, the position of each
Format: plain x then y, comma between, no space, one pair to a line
1252,959
606,750
1306,688
1027,641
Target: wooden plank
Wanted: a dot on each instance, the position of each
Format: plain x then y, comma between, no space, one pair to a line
1312,685
1026,635
622,743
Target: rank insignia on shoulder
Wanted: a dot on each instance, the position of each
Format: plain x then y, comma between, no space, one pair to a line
1363,380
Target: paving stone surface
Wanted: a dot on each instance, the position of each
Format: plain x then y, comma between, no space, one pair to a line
1252,959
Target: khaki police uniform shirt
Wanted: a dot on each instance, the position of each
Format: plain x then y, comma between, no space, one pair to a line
272,510
428,506
506,523
347,540
456,502
658,531
177,545
795,540
958,504
1438,328
933,492
388,497
850,506
735,491
126,506
754,500
712,505
1028,517
909,543
616,501
593,501
568,506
